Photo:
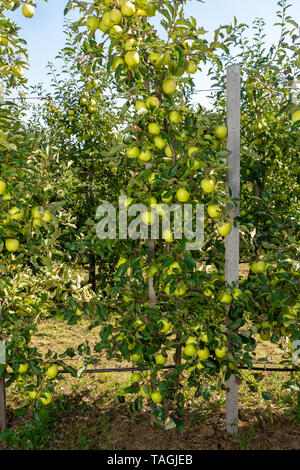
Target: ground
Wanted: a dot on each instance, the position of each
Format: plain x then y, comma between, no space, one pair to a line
85,413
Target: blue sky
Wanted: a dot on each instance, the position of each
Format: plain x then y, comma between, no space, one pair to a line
44,32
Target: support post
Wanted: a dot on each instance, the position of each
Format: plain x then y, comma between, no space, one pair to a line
3,421
232,240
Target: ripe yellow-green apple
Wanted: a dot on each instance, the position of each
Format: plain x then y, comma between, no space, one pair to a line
189,350
106,20
220,352
152,201
166,326
203,353
207,292
153,128
265,336
130,44
118,60
296,116
128,9
28,10
136,377
191,340
156,59
193,151
46,217
3,41
23,368
166,198
213,211
92,23
127,299
207,185
152,177
11,244
145,391
17,71
140,107
168,151
115,32
175,117
224,229
36,222
221,132
152,102
115,16
46,398
160,359
196,165
192,67
132,58
131,343
156,396
169,86
2,187
32,394
36,212
226,298
203,337
145,155
236,293
133,152
258,267
52,371
174,268
159,142
199,365
148,218
167,236
135,357
152,270
122,260
182,195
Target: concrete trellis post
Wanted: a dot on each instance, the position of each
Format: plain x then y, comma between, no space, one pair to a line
232,240
2,390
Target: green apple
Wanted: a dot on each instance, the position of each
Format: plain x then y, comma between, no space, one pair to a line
160,359
169,86
92,23
133,152
32,394
152,177
130,44
45,398
166,326
145,155
131,343
265,336
182,195
156,59
115,32
128,9
196,165
167,236
23,368
156,396
159,142
17,71
11,244
153,128
46,217
203,353
203,337
122,260
236,293
191,340
52,371
152,201
148,218
214,211
2,187
168,151
3,41
175,117
115,16
221,132
189,350
258,267
118,60
192,67
140,107
145,391
37,212
135,357
106,20
15,213
132,59
296,116
226,298
224,229
207,185
207,292
174,268
220,352
28,10
136,377
152,102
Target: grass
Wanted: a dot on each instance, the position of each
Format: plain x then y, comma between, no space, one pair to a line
85,413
